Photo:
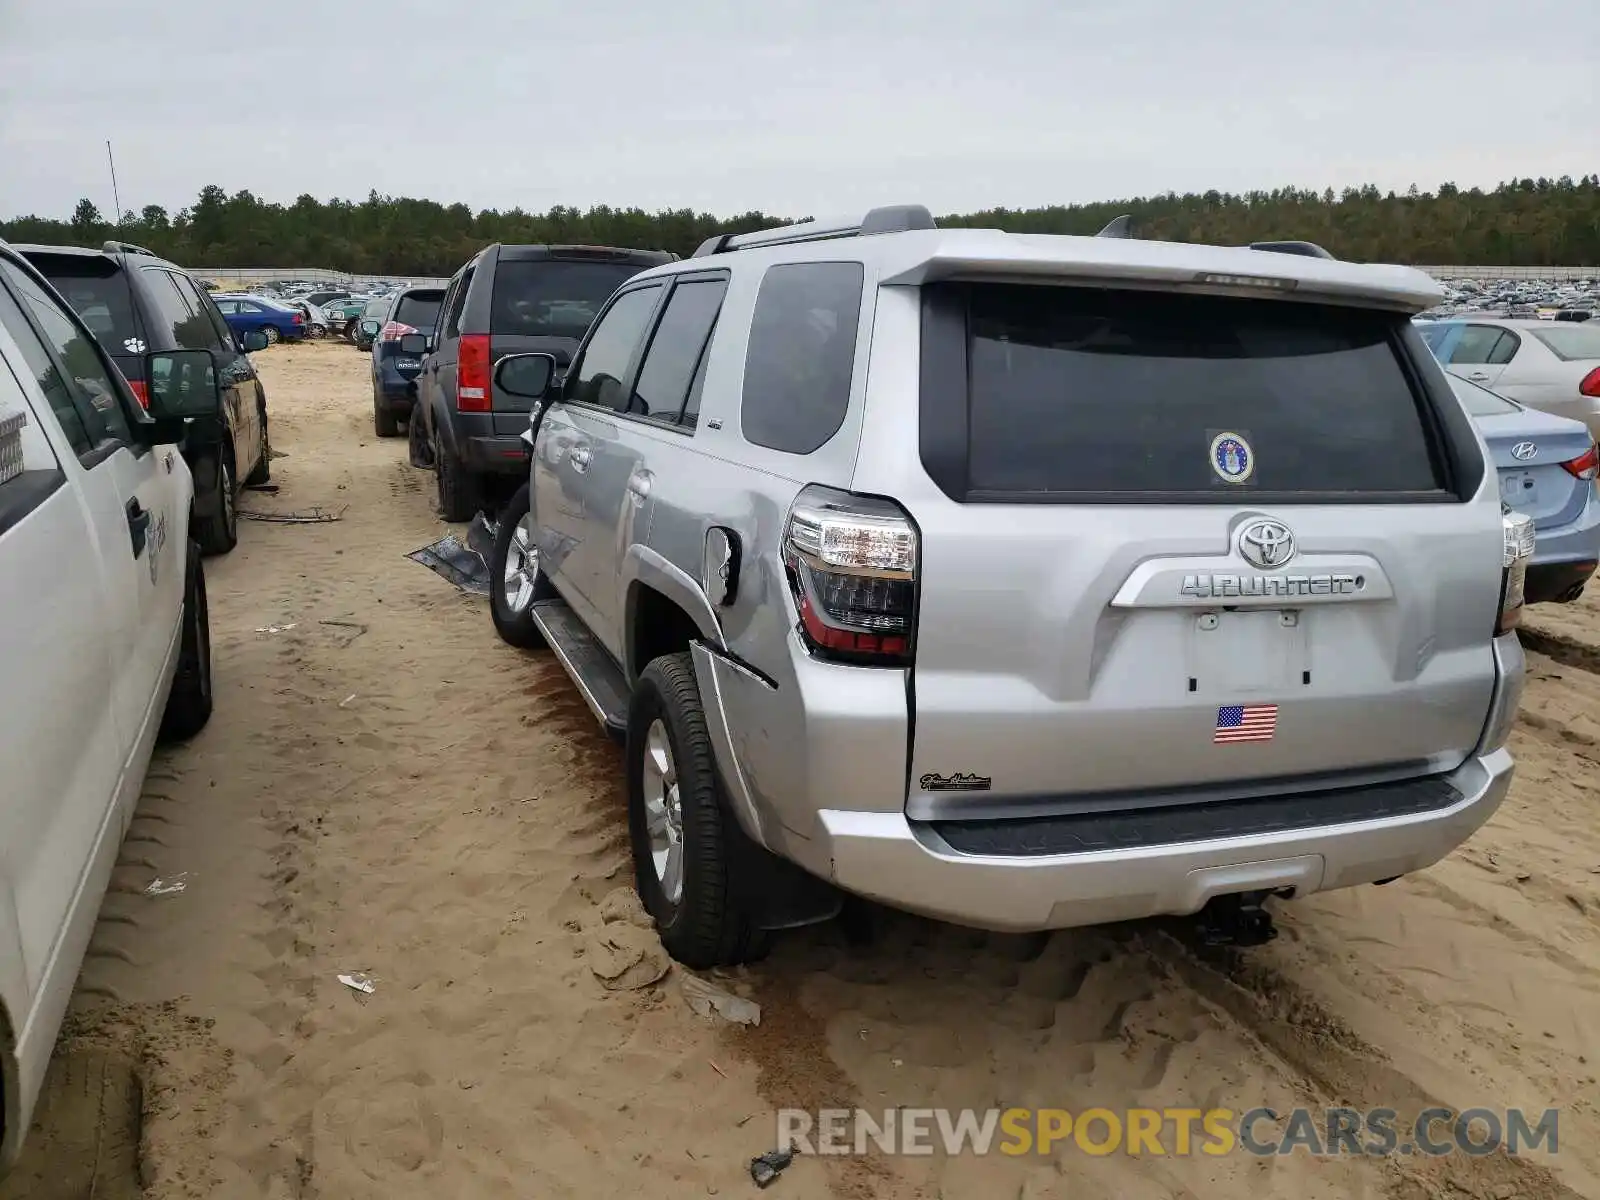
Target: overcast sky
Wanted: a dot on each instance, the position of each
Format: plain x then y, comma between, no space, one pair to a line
791,108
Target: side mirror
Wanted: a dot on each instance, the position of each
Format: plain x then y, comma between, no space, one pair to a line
413,343
370,328
182,383
525,375
253,340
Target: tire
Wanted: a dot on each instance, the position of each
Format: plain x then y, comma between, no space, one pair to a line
218,530
318,331
515,580
262,471
458,487
189,703
384,423
420,452
271,333
702,922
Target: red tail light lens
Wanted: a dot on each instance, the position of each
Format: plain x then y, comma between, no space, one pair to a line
393,331
141,392
472,373
852,568
1591,383
298,318
1585,465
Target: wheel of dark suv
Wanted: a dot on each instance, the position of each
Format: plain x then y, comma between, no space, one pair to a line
189,702
515,576
684,842
458,490
218,529
271,334
384,422
262,471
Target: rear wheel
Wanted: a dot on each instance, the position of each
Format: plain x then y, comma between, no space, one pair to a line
271,333
458,487
384,423
684,842
262,471
515,576
189,703
318,330
218,529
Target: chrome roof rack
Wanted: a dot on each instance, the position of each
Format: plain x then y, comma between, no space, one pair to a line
892,218
115,247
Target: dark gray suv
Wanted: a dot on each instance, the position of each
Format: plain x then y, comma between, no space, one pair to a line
506,300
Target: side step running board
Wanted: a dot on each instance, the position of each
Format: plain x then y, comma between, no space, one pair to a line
600,681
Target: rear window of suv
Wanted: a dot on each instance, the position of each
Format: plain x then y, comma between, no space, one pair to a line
419,310
97,291
552,297
1078,393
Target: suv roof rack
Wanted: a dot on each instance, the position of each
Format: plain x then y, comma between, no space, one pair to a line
115,247
889,218
1306,249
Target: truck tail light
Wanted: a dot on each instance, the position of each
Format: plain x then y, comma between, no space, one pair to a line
141,392
852,563
1518,532
472,373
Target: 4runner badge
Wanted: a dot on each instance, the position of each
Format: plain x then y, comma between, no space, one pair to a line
1231,458
959,782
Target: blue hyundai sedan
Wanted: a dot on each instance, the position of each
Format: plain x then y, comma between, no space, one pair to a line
1547,467
277,321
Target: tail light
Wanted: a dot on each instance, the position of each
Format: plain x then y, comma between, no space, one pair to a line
393,331
298,318
1584,466
852,564
1590,386
141,392
472,373
1518,532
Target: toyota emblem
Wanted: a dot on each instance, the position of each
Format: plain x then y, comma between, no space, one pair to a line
1523,451
1266,543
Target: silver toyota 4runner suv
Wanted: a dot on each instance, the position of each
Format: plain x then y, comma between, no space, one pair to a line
1021,581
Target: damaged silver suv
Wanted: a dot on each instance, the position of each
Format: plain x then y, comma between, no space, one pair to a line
1021,581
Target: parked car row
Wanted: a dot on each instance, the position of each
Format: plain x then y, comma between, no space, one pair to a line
874,612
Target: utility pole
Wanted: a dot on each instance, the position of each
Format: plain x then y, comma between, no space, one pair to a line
115,199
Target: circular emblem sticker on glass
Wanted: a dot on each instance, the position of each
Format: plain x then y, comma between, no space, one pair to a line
1231,458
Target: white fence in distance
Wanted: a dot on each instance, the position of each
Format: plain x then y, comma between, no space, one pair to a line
1533,274
245,278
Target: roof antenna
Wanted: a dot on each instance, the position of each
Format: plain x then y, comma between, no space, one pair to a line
1120,227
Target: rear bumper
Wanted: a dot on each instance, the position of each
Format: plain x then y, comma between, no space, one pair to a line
886,856
398,390
1565,558
479,448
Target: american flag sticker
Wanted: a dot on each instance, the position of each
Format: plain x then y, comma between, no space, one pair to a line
1245,723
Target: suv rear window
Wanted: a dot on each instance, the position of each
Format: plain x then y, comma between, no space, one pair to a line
98,293
1077,391
552,297
419,310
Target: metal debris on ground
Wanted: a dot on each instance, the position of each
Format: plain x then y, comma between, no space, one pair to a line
277,628
347,699
315,515
359,982
166,887
356,629
464,562
770,1165
706,998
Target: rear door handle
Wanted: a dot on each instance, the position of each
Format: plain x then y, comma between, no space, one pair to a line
580,457
138,525
639,486
1478,377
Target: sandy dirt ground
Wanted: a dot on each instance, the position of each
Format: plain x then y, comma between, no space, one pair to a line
387,788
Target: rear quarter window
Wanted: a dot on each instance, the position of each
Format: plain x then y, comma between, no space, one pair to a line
1106,393
801,355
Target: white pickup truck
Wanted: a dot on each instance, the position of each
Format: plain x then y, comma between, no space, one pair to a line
104,641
